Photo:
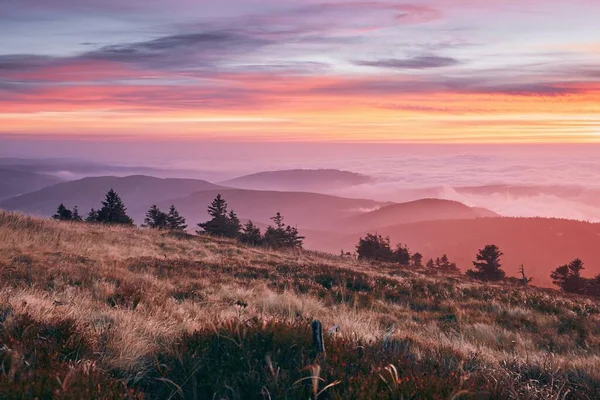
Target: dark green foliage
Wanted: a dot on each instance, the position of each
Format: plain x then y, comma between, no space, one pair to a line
417,260
113,211
282,236
92,216
175,222
377,248
155,218
374,247
487,266
568,278
64,214
251,234
222,223
444,264
76,216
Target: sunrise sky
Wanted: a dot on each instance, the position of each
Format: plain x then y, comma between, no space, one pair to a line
283,70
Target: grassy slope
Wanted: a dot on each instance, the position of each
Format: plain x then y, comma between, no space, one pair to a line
114,312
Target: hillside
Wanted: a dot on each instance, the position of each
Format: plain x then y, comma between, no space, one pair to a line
414,211
541,244
89,311
307,210
137,191
299,180
15,182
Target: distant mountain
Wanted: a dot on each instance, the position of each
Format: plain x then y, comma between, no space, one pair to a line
307,210
414,211
299,180
71,169
137,191
14,182
541,244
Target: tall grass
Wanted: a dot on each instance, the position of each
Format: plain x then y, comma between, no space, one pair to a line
154,314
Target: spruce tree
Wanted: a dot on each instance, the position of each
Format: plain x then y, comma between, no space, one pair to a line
222,223
282,236
76,216
175,222
568,277
251,234
487,266
234,226
63,213
155,218
92,216
113,210
417,260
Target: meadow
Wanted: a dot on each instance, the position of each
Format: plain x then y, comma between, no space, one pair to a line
95,311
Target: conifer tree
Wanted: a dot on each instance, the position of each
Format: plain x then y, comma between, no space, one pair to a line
155,218
234,226
430,264
568,277
63,213
282,236
251,234
487,266
222,223
113,210
175,222
417,260
92,216
76,216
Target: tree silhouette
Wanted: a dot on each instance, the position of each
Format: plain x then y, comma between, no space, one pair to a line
445,265
113,210
155,218
175,222
374,247
222,223
63,213
76,216
92,216
402,255
487,266
417,260
251,234
234,226
282,236
568,277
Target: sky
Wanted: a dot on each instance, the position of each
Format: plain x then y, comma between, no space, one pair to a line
430,71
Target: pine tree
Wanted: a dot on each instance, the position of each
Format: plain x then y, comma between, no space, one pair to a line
568,277
430,264
251,234
487,266
446,265
374,247
402,255
234,226
175,222
63,213
76,216
417,260
155,218
222,223
113,210
282,236
92,216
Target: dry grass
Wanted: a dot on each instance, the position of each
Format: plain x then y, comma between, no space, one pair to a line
136,295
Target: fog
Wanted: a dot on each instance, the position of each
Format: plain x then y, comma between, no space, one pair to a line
512,180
